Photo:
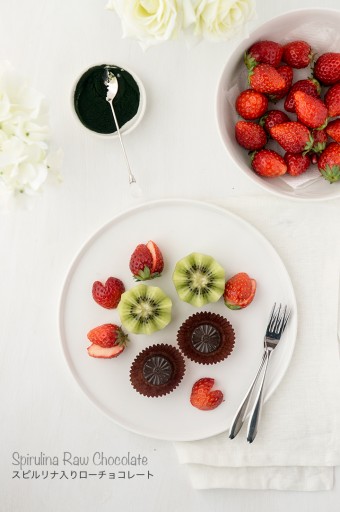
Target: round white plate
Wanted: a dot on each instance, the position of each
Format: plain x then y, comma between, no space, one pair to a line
178,227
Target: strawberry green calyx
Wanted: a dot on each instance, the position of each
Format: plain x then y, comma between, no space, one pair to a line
122,338
309,145
249,61
331,174
145,275
323,126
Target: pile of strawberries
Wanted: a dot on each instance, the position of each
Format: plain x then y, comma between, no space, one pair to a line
310,134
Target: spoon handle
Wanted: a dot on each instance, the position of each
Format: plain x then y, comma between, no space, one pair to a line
132,179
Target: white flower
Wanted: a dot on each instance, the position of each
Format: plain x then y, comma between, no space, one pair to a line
219,20
25,160
149,21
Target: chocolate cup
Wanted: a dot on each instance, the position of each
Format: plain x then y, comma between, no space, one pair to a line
206,338
157,370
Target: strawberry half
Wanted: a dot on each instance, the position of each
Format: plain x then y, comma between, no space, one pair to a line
108,335
146,262
108,295
104,353
203,398
239,291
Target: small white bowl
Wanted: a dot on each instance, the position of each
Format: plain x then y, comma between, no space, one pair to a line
130,125
319,27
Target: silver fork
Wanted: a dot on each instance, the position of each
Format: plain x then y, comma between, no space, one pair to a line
276,325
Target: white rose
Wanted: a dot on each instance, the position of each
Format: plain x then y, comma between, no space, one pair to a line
149,21
219,20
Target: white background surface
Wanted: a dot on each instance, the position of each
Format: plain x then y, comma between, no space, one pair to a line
175,152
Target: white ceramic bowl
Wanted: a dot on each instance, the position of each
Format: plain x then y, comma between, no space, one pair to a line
130,125
320,27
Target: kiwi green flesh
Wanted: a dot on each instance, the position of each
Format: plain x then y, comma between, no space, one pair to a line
199,279
144,309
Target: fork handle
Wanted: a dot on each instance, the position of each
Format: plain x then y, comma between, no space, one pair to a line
243,409
257,408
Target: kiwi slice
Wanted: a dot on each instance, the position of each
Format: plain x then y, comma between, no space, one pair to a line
199,279
144,309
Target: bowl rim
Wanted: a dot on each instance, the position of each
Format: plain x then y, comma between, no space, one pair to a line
262,183
134,121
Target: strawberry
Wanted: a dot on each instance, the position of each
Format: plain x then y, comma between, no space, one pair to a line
297,54
108,295
287,74
104,353
263,52
309,86
202,397
329,162
268,163
146,261
273,117
250,135
108,335
297,163
333,130
311,112
265,78
327,68
319,141
293,136
239,291
332,100
251,104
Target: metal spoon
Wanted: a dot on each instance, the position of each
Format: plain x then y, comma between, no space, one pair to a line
111,82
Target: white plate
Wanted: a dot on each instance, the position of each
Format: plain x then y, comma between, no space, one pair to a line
178,227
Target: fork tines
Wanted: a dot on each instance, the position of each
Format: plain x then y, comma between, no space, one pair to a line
278,321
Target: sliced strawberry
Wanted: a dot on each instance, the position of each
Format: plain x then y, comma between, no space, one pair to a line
108,335
239,291
108,295
104,353
157,258
203,398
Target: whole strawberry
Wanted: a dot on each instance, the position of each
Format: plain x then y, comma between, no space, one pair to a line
268,163
273,117
265,78
203,398
333,130
239,291
319,141
297,54
108,335
108,295
293,136
309,86
327,68
297,163
287,74
329,162
250,135
332,100
263,52
251,104
311,112
146,262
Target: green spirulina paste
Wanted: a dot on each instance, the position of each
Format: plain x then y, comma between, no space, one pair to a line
90,99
